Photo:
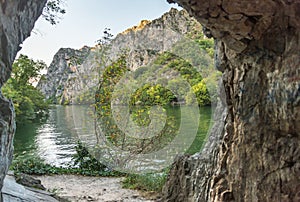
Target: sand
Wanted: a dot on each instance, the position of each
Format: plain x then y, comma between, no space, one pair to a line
82,188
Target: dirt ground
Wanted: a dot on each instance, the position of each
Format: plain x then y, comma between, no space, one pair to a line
82,188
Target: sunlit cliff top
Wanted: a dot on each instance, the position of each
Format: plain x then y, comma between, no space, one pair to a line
140,26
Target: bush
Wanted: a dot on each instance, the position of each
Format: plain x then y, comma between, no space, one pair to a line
85,161
84,164
146,182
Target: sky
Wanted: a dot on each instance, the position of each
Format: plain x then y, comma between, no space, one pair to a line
84,23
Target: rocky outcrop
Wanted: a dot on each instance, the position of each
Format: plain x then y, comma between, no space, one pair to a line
12,191
157,35
184,183
258,156
64,65
70,83
17,19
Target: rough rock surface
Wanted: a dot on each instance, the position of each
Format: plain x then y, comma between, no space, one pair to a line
13,192
157,35
68,82
62,68
16,22
258,157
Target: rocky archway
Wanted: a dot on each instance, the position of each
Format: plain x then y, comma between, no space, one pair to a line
258,50
256,155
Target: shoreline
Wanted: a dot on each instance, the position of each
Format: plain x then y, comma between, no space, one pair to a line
85,188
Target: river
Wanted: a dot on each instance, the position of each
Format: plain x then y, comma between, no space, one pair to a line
55,138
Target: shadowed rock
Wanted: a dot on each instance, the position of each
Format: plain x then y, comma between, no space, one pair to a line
13,191
257,159
17,19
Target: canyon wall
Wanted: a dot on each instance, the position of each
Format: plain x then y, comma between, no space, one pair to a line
252,154
256,155
69,82
17,19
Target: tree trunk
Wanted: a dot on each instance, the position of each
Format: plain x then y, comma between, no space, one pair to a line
258,155
17,19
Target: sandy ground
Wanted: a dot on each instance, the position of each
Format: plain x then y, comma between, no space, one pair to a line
81,188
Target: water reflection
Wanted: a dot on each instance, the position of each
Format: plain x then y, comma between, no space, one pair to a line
55,139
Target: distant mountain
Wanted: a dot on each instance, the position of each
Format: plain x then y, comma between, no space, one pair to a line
73,74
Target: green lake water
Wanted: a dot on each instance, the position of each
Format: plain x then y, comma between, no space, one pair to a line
54,139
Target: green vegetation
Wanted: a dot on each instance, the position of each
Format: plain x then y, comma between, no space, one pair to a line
152,95
196,35
195,69
84,164
53,11
201,92
140,103
175,68
87,97
140,114
178,71
85,161
150,182
28,102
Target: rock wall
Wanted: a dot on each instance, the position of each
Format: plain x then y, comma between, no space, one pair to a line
158,35
17,19
71,83
258,156
63,67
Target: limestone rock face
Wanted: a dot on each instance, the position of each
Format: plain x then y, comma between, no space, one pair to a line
69,82
158,35
17,19
258,156
63,67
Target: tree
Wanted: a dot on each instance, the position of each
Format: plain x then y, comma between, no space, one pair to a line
201,93
53,11
28,101
25,69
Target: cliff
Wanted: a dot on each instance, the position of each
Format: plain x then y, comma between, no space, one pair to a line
70,82
64,65
252,153
158,35
17,19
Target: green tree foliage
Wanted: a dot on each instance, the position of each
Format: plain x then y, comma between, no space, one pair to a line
110,77
204,43
103,96
25,69
53,11
85,161
201,92
177,70
198,50
189,60
150,95
169,61
28,101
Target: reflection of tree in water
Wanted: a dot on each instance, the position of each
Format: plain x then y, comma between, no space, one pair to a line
140,115
134,113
